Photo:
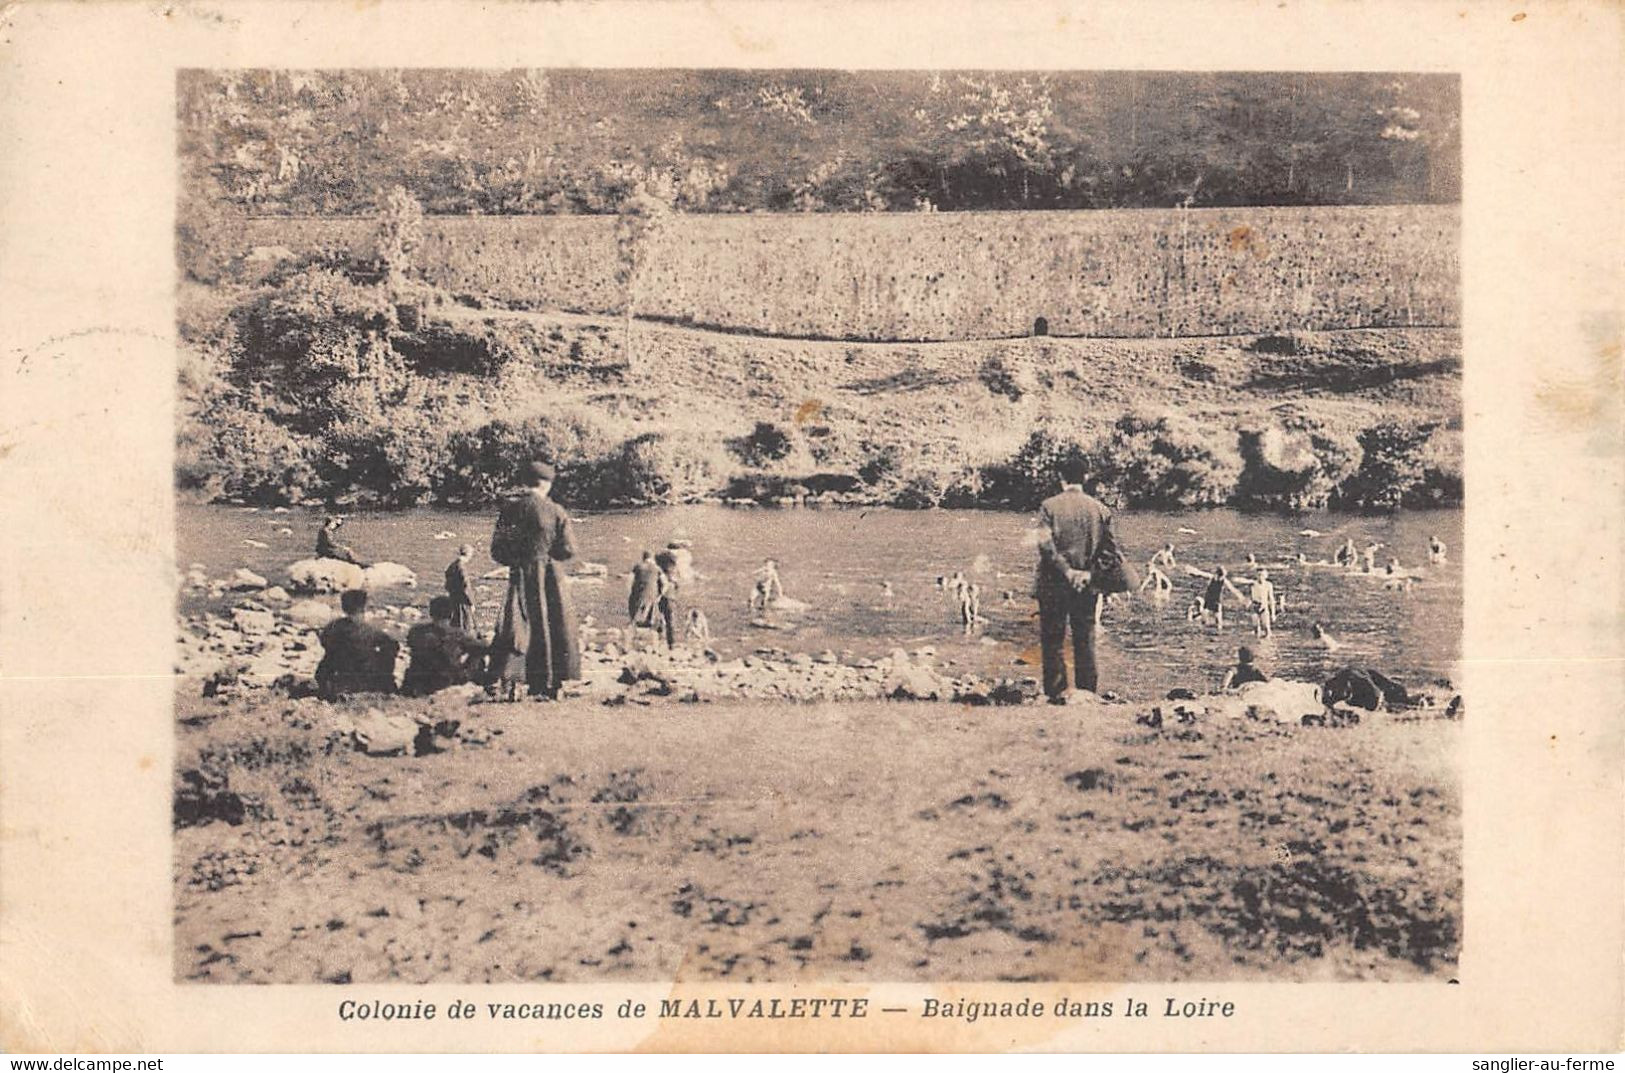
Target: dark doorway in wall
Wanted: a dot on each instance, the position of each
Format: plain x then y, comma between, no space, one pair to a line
1041,326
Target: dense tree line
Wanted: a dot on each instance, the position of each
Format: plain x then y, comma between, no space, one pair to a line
533,141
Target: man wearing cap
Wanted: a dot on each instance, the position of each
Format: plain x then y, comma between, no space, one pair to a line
536,640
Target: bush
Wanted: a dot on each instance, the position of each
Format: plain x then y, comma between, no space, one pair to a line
766,444
1441,483
483,462
478,349
1033,473
1296,465
237,453
660,467
1003,376
398,458
1391,467
1167,461
317,331
943,485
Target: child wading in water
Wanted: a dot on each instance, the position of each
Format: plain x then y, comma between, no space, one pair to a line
1158,583
1210,605
767,587
1265,604
970,606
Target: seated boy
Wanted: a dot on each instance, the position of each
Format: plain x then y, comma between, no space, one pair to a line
357,657
442,654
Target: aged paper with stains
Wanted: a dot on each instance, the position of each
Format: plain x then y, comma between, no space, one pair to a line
627,872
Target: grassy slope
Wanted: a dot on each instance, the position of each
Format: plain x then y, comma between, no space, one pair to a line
933,394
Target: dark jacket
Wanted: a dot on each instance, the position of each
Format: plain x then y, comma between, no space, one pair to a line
356,658
1075,525
442,656
537,631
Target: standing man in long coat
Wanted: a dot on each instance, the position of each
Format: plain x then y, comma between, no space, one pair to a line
1073,526
536,639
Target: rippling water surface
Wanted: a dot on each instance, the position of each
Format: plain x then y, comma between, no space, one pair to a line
835,560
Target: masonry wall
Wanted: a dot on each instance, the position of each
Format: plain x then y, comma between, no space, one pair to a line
1149,272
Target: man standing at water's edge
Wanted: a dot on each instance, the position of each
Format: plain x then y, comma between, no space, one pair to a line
536,640
1073,527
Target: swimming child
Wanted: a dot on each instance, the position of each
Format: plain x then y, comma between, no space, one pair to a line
1324,639
697,628
1210,605
888,598
1264,603
1346,554
1436,550
1244,671
1163,557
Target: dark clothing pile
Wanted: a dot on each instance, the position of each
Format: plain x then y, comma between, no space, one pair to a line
1368,689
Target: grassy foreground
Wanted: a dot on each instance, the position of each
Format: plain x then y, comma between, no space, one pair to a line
836,842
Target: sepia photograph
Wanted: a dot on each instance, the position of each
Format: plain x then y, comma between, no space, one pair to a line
817,526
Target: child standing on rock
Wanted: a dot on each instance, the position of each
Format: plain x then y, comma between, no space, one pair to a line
457,588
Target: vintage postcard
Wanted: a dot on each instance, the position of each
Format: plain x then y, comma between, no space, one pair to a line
811,527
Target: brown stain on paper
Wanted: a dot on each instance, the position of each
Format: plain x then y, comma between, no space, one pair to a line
1244,239
807,411
1593,402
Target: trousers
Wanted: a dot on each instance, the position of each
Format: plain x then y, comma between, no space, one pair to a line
1058,609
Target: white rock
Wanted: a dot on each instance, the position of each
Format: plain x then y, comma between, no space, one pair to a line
253,622
312,613
325,575
1280,699
385,735
915,683
245,579
388,575
276,594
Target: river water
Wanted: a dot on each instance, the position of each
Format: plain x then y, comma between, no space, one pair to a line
835,560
